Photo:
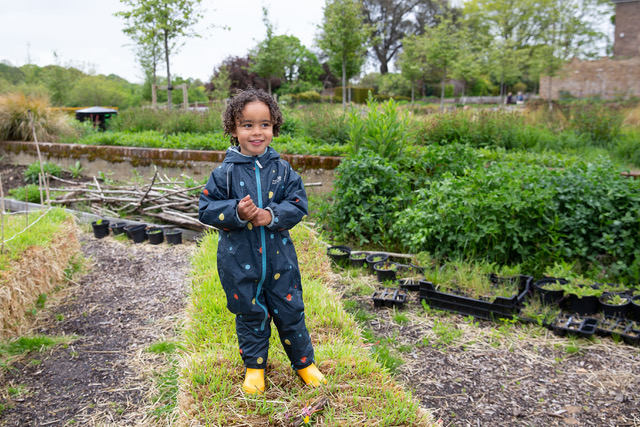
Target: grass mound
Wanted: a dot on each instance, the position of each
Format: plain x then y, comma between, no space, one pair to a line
33,264
360,390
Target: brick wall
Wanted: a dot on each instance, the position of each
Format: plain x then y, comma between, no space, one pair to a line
627,32
607,78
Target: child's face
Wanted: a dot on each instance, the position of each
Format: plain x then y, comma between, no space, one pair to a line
254,130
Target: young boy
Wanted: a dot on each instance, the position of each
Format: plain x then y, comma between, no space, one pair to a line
253,199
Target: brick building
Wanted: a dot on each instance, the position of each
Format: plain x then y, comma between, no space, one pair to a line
627,37
607,78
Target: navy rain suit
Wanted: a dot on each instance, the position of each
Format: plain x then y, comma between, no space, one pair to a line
258,266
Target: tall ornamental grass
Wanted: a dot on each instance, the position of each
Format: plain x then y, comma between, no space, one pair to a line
15,124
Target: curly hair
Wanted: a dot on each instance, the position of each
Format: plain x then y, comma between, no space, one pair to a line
233,113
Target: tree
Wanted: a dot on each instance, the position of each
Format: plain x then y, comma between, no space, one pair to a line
343,38
220,86
440,46
170,20
392,20
470,62
569,33
412,62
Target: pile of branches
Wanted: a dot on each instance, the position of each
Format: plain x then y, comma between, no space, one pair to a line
164,198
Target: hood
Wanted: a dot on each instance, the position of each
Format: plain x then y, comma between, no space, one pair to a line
235,156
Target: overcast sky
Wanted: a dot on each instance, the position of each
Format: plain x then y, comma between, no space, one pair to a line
86,35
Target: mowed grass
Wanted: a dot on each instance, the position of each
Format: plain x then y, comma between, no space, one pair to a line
360,390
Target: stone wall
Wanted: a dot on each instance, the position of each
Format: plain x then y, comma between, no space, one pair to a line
607,78
127,162
627,33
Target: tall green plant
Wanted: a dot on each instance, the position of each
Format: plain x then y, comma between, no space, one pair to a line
383,130
368,190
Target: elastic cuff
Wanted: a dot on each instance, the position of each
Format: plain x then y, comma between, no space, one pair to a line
242,221
273,217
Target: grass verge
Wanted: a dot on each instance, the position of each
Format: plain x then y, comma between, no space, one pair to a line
360,390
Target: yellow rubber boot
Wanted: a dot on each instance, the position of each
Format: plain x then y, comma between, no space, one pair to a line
253,381
312,376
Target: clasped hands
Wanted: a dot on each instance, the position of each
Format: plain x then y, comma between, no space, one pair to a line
248,211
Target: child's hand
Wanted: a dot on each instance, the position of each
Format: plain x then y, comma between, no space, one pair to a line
262,218
247,210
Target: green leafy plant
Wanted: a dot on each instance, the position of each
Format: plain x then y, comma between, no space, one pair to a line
581,290
358,255
32,172
383,130
614,299
337,251
31,193
76,169
387,266
368,190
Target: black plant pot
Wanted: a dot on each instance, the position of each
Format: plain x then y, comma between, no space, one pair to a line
549,296
386,271
117,228
100,230
613,310
339,255
173,236
635,308
358,259
155,235
136,232
584,306
374,258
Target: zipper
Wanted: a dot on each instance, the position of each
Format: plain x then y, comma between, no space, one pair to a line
264,248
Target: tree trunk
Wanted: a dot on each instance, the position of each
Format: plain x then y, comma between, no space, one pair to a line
464,84
444,79
412,92
384,68
550,102
502,86
344,83
269,84
166,55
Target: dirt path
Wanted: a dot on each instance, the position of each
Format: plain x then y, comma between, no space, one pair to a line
131,297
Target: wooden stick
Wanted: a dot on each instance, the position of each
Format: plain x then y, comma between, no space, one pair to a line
35,139
2,215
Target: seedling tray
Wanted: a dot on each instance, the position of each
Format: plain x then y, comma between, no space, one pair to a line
500,308
410,284
566,324
390,297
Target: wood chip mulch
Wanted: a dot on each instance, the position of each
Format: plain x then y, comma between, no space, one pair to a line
131,297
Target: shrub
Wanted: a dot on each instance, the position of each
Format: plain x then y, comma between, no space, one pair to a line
601,123
323,123
308,96
32,172
514,213
168,121
30,192
15,124
368,189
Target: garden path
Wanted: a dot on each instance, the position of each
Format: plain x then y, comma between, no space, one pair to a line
132,297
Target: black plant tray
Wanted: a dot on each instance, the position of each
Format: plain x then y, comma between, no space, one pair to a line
628,330
410,284
566,324
390,297
500,308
